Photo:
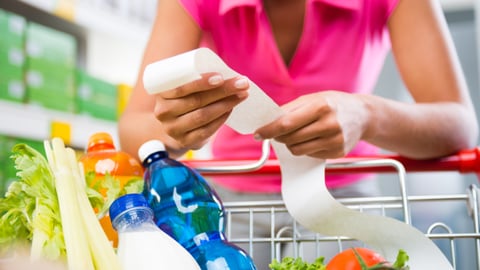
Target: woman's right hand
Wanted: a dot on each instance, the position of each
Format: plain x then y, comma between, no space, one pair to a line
192,113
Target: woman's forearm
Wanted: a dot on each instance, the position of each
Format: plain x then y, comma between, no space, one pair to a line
421,130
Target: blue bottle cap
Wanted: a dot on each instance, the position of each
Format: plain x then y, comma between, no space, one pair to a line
126,202
150,147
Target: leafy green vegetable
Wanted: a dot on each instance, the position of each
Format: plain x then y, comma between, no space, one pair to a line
112,186
29,212
289,263
401,261
87,245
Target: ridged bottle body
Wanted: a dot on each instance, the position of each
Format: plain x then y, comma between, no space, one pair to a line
189,210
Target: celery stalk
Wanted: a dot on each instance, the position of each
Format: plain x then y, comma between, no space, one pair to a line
102,251
39,236
78,254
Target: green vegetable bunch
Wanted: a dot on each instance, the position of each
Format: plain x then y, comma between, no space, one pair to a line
48,209
29,212
352,259
112,186
290,263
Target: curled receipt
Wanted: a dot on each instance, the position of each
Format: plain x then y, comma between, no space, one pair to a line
303,178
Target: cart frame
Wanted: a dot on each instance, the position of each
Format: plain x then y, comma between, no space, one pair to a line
465,162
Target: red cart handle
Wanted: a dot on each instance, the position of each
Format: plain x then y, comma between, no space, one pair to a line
465,161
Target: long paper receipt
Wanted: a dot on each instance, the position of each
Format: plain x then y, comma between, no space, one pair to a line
303,178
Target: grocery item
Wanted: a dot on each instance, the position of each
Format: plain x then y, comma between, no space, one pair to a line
105,161
87,247
356,258
142,245
46,214
29,212
189,210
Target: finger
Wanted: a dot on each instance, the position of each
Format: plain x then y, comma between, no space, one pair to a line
328,147
208,81
194,138
203,116
235,88
297,118
326,126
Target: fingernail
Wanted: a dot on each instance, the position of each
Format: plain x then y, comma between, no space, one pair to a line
215,79
241,83
257,137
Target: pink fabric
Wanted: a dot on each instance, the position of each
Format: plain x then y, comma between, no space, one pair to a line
343,48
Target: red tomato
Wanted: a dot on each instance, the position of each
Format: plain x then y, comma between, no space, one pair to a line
347,260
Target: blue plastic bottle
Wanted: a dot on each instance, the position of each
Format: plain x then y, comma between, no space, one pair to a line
189,210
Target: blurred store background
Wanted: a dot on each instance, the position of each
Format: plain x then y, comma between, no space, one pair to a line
67,68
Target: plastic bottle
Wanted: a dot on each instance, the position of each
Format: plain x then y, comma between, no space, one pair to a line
187,209
103,158
141,244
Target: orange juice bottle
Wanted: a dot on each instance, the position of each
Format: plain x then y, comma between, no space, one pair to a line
103,158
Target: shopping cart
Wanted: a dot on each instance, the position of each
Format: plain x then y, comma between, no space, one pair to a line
461,244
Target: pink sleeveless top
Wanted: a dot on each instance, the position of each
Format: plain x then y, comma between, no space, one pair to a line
343,47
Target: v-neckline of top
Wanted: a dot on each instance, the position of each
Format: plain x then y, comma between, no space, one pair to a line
287,68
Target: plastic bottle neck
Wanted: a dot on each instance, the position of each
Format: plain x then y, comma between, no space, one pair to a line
132,218
100,147
154,157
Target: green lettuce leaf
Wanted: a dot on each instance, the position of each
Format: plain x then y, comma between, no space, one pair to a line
29,211
290,263
113,190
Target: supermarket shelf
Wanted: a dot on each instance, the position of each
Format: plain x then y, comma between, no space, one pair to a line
39,15
86,15
33,122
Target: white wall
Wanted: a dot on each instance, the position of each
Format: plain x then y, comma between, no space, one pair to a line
114,58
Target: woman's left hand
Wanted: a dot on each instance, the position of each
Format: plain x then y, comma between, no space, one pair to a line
323,125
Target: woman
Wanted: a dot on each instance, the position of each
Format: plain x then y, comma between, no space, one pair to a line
320,60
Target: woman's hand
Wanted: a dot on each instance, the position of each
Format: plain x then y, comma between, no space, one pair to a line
192,113
323,125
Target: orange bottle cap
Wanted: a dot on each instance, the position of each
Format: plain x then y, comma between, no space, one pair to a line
100,138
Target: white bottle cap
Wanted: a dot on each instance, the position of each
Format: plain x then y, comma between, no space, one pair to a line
150,147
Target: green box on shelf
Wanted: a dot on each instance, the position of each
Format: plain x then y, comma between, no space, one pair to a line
12,90
12,56
55,81
96,90
12,28
12,85
50,45
96,97
54,101
10,71
97,111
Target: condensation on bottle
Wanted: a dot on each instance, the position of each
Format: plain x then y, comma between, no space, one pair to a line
189,210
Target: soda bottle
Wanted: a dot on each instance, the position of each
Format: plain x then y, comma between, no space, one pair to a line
189,210
141,244
102,158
